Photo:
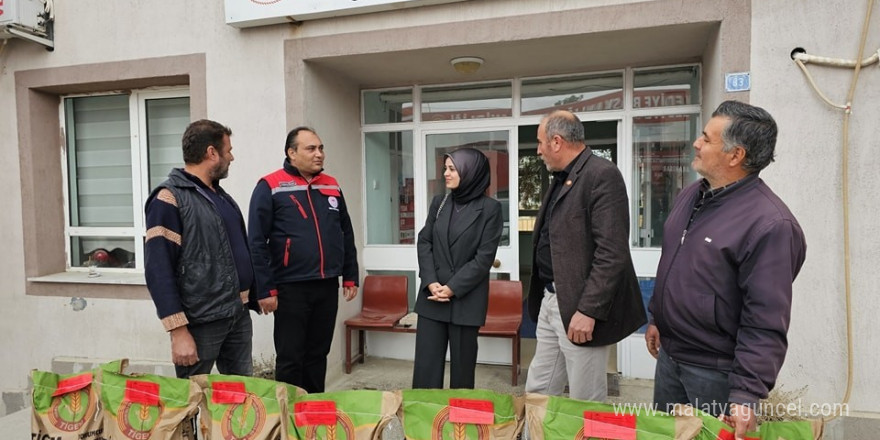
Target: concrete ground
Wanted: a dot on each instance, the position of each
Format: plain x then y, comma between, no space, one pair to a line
393,374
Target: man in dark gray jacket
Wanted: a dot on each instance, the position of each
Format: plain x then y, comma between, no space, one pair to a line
722,298
584,294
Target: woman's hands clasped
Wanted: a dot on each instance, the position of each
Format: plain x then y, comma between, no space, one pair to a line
440,293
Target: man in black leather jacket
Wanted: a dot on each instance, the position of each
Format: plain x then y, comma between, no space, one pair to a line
198,266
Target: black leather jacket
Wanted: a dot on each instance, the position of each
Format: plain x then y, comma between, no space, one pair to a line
206,273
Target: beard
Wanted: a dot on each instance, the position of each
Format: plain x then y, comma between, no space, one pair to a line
221,171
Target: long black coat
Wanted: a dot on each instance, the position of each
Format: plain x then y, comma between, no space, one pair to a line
589,246
459,256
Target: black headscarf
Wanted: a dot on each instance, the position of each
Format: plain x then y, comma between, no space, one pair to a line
473,170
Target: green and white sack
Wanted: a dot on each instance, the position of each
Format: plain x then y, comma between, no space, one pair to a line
148,407
65,406
460,415
715,429
552,417
341,415
239,407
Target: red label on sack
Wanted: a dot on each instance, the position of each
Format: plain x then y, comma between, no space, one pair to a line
72,384
145,393
228,392
316,412
609,426
476,412
725,435
728,435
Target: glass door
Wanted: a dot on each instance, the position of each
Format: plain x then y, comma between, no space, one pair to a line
661,156
495,144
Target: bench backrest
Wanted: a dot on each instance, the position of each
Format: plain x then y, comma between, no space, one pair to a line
385,295
505,301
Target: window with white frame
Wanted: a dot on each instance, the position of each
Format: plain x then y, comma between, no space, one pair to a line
118,148
659,108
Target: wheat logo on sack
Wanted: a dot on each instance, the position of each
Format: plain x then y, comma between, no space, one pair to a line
331,432
70,411
140,410
323,414
136,420
243,421
72,404
465,415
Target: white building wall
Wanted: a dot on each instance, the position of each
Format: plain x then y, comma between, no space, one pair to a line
335,109
807,175
246,90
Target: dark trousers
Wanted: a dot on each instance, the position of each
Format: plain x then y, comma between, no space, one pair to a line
227,341
703,388
432,338
304,323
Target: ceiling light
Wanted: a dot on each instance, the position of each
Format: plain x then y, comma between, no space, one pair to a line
466,65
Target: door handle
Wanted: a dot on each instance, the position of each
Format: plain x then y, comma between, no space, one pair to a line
496,264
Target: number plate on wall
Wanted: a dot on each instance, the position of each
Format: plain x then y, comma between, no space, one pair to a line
738,82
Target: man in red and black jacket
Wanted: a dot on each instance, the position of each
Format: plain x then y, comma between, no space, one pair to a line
301,242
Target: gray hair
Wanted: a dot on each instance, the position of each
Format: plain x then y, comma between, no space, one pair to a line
566,125
751,128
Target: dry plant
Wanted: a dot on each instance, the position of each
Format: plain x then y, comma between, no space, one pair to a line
264,368
782,405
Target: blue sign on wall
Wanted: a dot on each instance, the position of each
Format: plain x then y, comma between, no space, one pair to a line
738,82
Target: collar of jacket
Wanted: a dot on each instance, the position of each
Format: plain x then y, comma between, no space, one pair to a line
574,170
180,178
450,232
746,182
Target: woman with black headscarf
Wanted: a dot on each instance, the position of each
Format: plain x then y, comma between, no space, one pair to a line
456,250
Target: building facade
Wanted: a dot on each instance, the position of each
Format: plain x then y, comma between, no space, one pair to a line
91,126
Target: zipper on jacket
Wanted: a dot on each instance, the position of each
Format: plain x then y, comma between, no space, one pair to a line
299,206
286,252
317,229
691,220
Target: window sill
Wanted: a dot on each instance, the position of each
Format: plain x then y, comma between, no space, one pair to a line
118,285
115,278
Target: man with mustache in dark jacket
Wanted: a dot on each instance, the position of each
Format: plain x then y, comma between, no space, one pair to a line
722,299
